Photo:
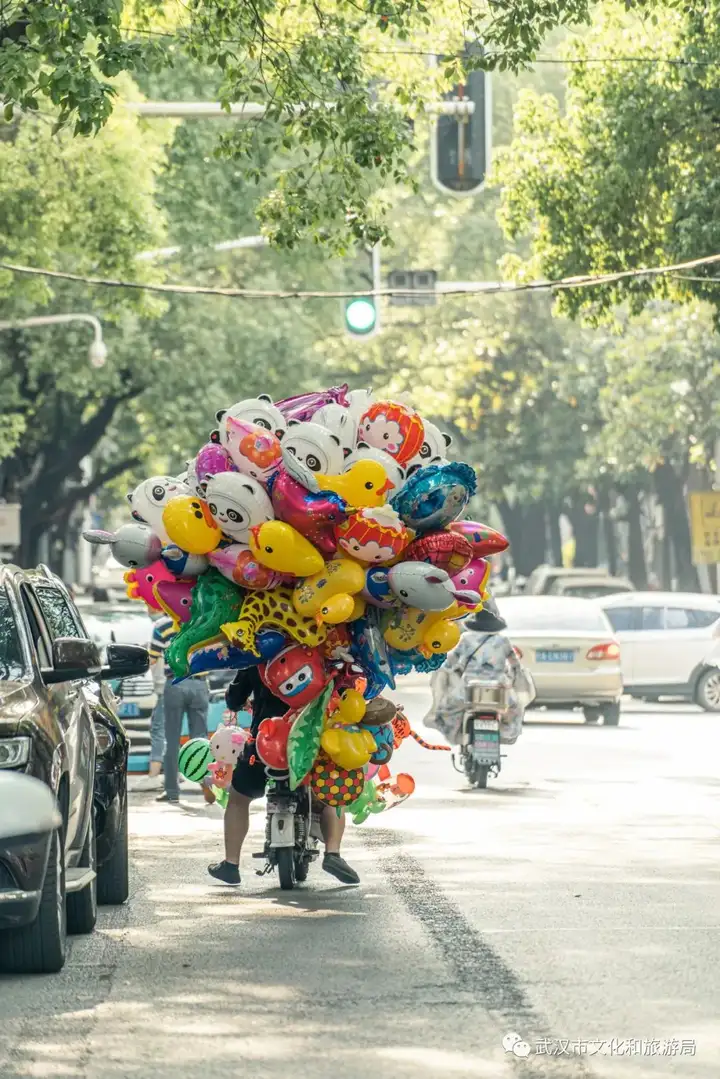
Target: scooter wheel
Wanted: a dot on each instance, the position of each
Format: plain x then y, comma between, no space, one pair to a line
480,777
286,868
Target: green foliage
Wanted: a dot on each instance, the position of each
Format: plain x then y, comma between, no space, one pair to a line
65,51
660,401
627,176
342,84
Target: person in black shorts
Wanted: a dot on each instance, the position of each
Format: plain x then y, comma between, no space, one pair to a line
250,779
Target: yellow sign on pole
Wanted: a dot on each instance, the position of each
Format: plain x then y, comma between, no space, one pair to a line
705,527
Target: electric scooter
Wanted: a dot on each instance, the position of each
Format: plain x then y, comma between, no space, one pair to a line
292,833
487,703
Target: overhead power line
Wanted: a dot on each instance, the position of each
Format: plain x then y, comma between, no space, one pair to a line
448,287
678,61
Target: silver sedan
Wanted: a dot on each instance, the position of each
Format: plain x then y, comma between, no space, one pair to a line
571,651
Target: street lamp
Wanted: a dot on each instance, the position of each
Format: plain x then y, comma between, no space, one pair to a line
97,352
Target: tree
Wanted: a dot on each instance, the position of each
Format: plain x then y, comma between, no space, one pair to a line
93,206
626,176
660,407
89,204
338,109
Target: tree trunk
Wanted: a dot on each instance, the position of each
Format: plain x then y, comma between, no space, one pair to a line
608,528
30,535
524,526
637,567
671,492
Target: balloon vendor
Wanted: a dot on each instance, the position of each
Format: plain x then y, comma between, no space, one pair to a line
318,548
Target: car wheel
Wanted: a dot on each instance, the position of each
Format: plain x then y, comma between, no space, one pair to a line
611,714
40,948
591,713
82,906
113,880
707,693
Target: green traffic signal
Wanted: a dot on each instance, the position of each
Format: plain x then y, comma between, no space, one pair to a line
360,316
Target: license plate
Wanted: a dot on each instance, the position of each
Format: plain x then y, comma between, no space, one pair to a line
128,711
486,725
543,655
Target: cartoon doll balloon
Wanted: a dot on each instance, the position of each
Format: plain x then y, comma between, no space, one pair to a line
254,450
374,535
394,428
296,675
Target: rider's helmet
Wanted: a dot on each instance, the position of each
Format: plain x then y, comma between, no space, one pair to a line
488,620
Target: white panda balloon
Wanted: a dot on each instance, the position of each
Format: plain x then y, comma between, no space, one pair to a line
259,410
432,452
238,503
149,499
341,422
308,449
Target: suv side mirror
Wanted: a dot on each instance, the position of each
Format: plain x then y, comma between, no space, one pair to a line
73,658
125,661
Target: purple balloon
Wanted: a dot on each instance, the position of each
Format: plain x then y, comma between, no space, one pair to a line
304,406
211,460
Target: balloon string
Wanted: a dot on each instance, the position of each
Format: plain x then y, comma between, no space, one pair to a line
428,745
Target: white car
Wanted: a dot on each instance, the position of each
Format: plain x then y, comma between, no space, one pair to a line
571,651
670,644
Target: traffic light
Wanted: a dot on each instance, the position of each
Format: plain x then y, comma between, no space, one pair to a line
360,316
362,313
462,136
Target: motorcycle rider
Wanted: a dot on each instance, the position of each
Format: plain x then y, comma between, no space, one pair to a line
483,652
249,781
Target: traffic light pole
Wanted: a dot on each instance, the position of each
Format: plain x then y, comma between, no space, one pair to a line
376,284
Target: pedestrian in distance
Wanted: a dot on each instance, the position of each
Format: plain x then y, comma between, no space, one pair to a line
162,634
190,698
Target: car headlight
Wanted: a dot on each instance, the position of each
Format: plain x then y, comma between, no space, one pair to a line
105,739
14,752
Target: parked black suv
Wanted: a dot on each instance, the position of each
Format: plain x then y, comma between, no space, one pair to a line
58,723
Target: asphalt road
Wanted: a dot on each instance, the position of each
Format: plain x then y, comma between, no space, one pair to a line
575,904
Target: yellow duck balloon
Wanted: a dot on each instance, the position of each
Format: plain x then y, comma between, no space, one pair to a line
330,595
189,524
348,746
364,485
429,632
350,710
281,547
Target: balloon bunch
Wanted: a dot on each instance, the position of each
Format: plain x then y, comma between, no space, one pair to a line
319,538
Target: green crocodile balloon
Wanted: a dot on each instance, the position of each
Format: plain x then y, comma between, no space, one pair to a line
215,600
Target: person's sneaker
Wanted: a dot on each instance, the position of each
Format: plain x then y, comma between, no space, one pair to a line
337,867
225,873
171,799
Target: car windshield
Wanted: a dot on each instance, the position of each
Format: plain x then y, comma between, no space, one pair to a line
557,617
12,661
118,627
591,591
